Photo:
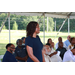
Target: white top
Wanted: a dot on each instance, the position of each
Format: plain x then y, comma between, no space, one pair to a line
70,47
68,56
54,58
56,46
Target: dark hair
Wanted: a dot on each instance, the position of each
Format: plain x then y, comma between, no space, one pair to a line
31,28
18,40
71,39
8,45
23,38
48,44
48,40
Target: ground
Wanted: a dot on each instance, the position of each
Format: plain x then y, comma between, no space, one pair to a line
17,34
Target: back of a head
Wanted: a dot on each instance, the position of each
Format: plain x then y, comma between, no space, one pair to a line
23,38
8,45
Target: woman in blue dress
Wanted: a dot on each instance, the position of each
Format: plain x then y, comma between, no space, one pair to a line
33,43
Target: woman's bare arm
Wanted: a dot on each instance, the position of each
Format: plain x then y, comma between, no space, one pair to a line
30,54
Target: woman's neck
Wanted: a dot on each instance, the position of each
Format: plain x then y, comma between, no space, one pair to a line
34,35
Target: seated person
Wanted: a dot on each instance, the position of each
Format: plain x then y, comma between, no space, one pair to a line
52,45
49,41
67,42
61,49
20,52
69,55
23,41
60,40
72,41
49,55
9,57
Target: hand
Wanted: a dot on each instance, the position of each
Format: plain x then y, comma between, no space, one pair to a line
73,51
44,51
25,58
52,54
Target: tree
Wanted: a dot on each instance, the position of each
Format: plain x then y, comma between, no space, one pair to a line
15,26
50,24
4,27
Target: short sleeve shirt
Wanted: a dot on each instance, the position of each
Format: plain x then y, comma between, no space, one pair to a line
36,45
9,57
20,52
62,51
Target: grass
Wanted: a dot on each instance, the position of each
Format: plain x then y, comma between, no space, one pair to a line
16,34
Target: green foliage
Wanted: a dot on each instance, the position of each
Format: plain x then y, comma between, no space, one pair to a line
15,26
50,24
4,27
22,22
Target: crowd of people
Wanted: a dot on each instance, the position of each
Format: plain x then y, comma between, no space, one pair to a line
31,49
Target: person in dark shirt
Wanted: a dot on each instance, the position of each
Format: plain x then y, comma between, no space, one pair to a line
23,41
20,52
9,57
33,43
61,49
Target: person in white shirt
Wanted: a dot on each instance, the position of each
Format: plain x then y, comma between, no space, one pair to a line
72,43
60,40
69,56
50,55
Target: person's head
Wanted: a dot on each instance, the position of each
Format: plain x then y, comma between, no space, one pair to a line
52,44
60,44
49,40
23,40
60,39
69,37
72,41
32,27
48,44
47,47
10,47
19,42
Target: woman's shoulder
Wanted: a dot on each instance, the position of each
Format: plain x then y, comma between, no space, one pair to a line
29,37
37,37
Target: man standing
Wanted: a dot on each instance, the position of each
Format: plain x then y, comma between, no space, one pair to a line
9,57
67,42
